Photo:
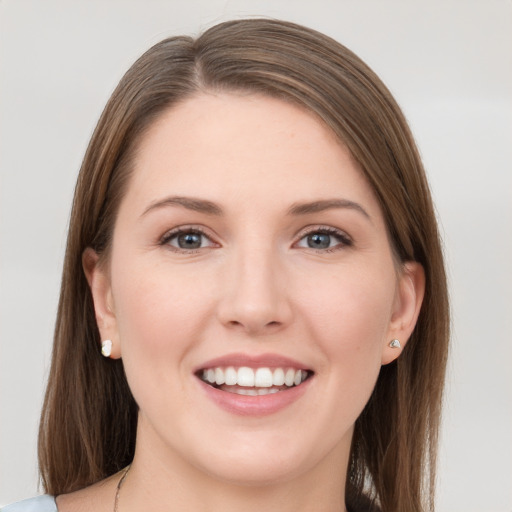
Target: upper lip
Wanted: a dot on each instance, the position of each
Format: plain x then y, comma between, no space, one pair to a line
253,361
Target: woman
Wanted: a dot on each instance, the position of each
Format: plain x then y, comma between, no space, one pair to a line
253,310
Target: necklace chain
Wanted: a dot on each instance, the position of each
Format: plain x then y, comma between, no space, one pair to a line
118,490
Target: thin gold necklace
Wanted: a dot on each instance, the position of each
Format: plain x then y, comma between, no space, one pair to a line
118,490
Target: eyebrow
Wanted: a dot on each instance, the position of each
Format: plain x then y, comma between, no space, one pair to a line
209,208
326,204
190,203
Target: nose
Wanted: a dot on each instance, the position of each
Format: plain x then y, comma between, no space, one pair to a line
254,297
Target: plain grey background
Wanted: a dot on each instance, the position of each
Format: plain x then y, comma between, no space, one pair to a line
449,63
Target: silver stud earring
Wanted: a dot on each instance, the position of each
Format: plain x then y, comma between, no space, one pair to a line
106,348
395,344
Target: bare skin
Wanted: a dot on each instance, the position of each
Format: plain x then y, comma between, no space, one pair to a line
289,258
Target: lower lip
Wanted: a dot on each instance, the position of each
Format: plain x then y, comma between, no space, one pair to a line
260,405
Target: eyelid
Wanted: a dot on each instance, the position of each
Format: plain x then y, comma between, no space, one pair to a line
346,239
190,228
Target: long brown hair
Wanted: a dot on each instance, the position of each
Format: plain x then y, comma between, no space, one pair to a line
89,418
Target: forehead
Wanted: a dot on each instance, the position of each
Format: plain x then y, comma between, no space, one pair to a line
250,147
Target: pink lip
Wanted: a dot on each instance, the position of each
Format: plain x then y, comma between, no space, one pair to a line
253,361
253,405
260,405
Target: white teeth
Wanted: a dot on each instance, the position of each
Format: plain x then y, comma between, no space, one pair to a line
245,377
219,376
230,376
210,375
278,377
289,377
248,392
252,391
263,378
268,391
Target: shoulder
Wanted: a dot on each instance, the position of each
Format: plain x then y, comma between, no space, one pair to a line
44,503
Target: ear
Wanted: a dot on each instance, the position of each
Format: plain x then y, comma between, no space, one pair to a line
99,282
406,308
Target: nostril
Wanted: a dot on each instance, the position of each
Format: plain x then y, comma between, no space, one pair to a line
236,323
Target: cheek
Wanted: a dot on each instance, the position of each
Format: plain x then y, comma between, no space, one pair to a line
351,310
154,303
159,318
349,320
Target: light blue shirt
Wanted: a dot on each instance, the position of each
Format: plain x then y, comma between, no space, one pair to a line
44,503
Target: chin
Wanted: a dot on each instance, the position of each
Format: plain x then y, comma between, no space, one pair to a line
254,461
262,473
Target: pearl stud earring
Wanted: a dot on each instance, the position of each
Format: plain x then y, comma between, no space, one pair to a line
395,344
106,348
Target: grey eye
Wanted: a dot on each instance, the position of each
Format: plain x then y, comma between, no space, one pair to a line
319,240
189,240
325,238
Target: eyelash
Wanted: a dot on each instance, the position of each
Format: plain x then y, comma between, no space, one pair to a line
166,239
344,240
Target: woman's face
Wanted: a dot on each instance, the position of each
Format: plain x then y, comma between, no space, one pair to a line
251,290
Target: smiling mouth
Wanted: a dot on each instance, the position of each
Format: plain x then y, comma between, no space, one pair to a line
253,381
